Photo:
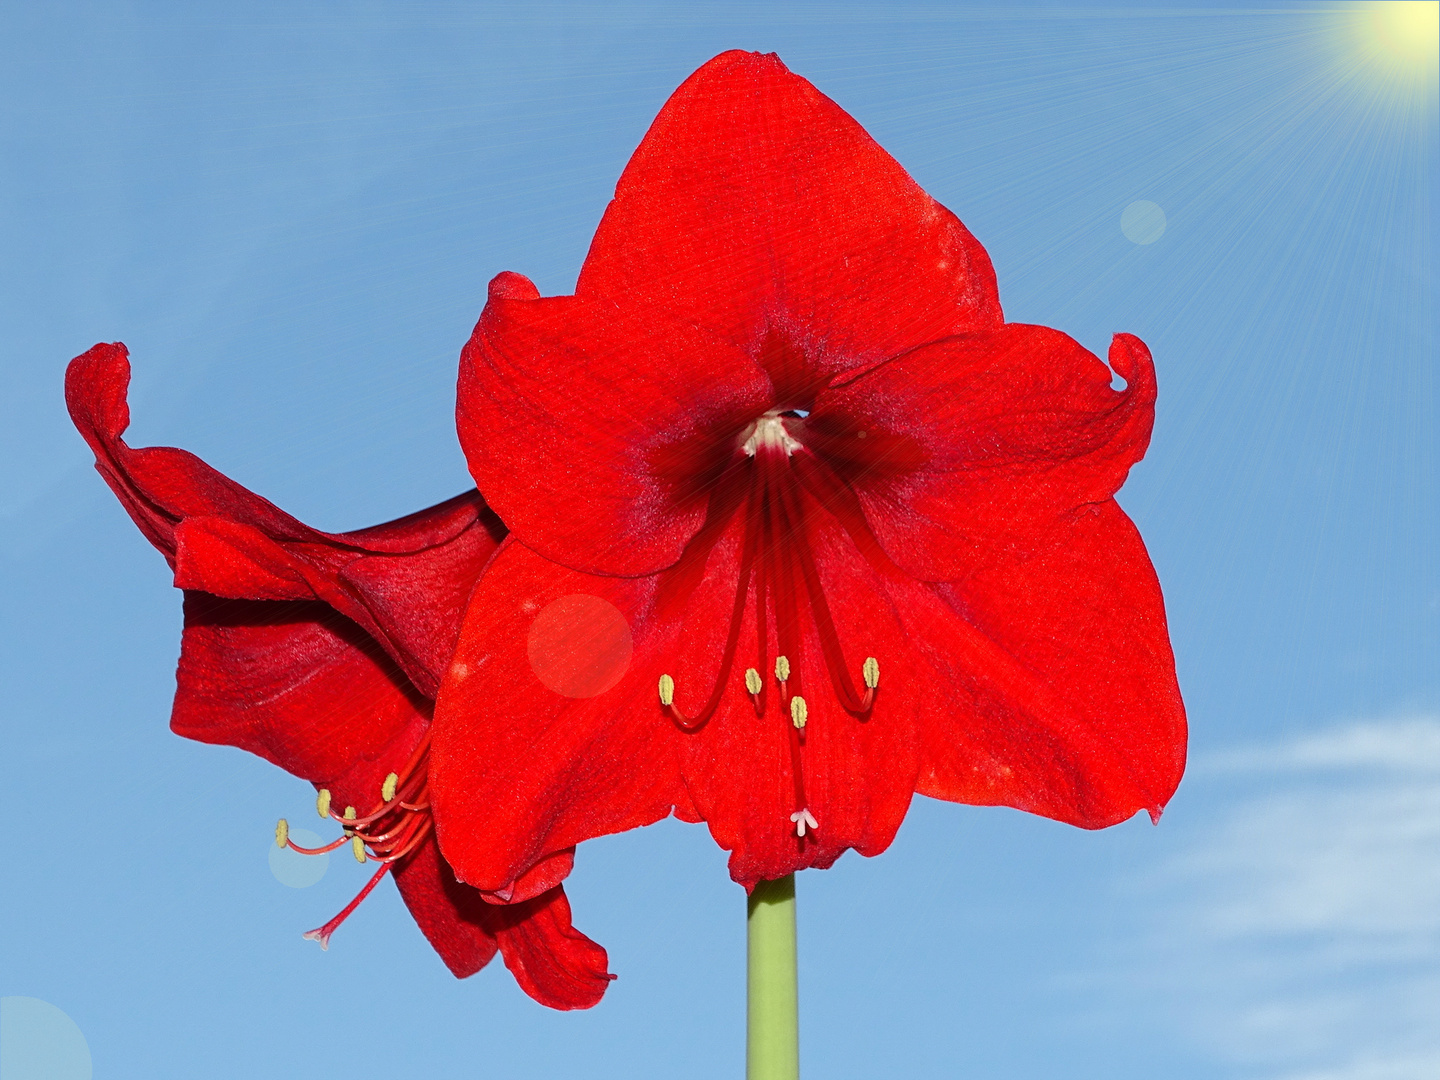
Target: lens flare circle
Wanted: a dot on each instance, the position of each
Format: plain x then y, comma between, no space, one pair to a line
1143,222
580,645
296,870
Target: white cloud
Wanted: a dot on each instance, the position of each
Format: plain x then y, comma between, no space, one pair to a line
1409,746
1299,924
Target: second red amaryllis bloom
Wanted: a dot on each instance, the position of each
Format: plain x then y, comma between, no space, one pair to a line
807,524
322,652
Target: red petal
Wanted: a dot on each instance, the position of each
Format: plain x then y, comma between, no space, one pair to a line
1055,685
519,771
977,446
452,916
405,582
756,203
296,683
552,961
590,426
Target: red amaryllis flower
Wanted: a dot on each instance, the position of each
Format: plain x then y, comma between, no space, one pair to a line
321,653
825,529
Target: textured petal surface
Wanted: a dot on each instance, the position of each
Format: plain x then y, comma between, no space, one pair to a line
295,682
405,582
552,961
858,774
755,203
1055,682
980,446
573,412
519,771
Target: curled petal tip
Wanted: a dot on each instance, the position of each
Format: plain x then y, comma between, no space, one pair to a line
508,285
95,386
1130,358
1154,812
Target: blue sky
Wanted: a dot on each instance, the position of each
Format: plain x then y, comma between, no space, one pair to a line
289,214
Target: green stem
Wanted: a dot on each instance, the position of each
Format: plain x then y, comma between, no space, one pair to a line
772,1044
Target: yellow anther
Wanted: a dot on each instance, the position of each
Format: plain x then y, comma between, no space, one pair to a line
871,671
322,802
752,681
667,690
782,668
282,832
358,847
798,713
349,813
387,789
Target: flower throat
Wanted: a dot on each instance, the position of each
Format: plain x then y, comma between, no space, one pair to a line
764,486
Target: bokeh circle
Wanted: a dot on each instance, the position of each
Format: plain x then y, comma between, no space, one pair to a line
580,645
1142,222
40,1042
296,870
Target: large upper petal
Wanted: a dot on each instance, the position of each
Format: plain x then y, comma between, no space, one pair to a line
593,426
977,447
405,582
755,203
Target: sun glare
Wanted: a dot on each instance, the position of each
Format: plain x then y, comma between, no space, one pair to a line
1404,32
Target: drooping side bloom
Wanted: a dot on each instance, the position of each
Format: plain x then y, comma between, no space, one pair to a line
856,532
321,653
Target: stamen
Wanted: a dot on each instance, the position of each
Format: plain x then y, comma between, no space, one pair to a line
754,685
782,669
803,819
871,674
798,713
732,639
316,850
387,834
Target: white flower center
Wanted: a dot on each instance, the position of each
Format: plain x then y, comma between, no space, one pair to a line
771,433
